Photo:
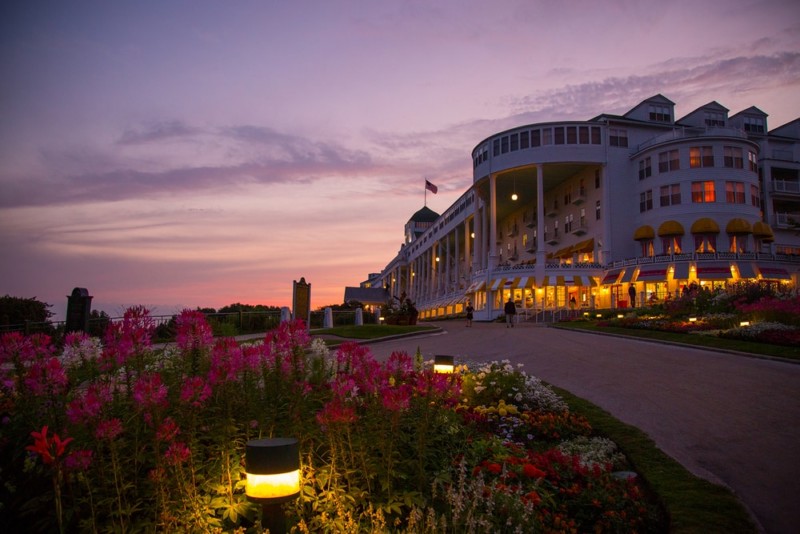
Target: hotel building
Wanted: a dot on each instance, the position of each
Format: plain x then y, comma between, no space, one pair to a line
585,210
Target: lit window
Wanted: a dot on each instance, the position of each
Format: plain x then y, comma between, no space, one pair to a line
703,192
734,193
733,157
705,243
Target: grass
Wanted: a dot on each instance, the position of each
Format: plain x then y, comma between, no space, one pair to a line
692,504
698,340
370,331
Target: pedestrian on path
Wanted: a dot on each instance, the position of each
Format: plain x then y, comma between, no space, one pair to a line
510,310
470,311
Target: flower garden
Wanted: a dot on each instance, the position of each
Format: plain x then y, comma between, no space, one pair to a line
115,435
746,312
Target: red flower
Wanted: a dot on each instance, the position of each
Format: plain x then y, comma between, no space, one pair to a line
532,471
494,468
49,449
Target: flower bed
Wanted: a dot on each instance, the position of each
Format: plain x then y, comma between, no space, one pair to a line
119,436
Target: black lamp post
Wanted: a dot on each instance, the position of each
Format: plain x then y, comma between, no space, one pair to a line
273,478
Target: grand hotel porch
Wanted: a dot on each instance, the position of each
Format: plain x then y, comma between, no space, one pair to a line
594,287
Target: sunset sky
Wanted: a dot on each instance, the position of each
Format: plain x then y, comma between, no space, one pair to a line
200,153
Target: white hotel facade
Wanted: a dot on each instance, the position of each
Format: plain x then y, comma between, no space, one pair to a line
588,209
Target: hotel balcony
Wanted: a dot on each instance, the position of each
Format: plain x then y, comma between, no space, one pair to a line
786,187
786,220
579,229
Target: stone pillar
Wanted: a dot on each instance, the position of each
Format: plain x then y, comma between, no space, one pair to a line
79,307
360,316
327,322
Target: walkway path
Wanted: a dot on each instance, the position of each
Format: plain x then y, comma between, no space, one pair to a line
734,420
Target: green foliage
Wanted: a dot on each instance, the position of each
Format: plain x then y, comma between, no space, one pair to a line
16,310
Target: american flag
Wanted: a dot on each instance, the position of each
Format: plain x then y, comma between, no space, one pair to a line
430,187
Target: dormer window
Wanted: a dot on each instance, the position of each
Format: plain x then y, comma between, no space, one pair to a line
660,113
714,118
754,124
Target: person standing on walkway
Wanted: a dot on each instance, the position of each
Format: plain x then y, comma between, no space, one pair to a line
632,294
510,310
470,311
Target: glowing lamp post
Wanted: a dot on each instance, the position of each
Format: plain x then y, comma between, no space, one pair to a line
443,363
273,478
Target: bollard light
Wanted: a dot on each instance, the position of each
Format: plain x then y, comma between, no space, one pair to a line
744,323
272,467
443,363
692,319
620,316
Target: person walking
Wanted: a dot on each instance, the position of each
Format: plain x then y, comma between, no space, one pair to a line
632,295
510,310
469,309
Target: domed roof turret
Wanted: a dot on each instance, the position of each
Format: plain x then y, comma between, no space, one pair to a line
425,215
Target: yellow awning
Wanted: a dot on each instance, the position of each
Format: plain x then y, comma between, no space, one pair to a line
763,230
583,246
563,252
669,228
643,233
705,225
738,226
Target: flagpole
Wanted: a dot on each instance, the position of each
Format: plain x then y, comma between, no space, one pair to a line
425,186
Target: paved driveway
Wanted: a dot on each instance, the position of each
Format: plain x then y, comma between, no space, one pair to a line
732,419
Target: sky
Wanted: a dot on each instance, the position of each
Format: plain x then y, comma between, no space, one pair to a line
176,154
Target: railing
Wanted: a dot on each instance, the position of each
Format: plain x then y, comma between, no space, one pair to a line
222,324
786,219
688,133
701,256
786,186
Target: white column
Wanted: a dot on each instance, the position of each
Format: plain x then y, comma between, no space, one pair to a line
541,257
492,221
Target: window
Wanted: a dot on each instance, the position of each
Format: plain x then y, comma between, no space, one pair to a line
596,135
669,161
703,192
536,139
715,118
559,130
597,210
582,187
646,201
583,135
671,244
567,196
583,217
701,156
572,135
617,137
705,243
733,157
568,223
753,159
514,142
754,124
755,197
547,136
734,193
524,139
645,168
555,228
597,179
738,243
670,195
504,144
496,147
659,113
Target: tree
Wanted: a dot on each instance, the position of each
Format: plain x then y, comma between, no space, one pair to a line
16,310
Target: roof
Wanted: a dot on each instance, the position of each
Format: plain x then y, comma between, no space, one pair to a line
425,215
366,295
